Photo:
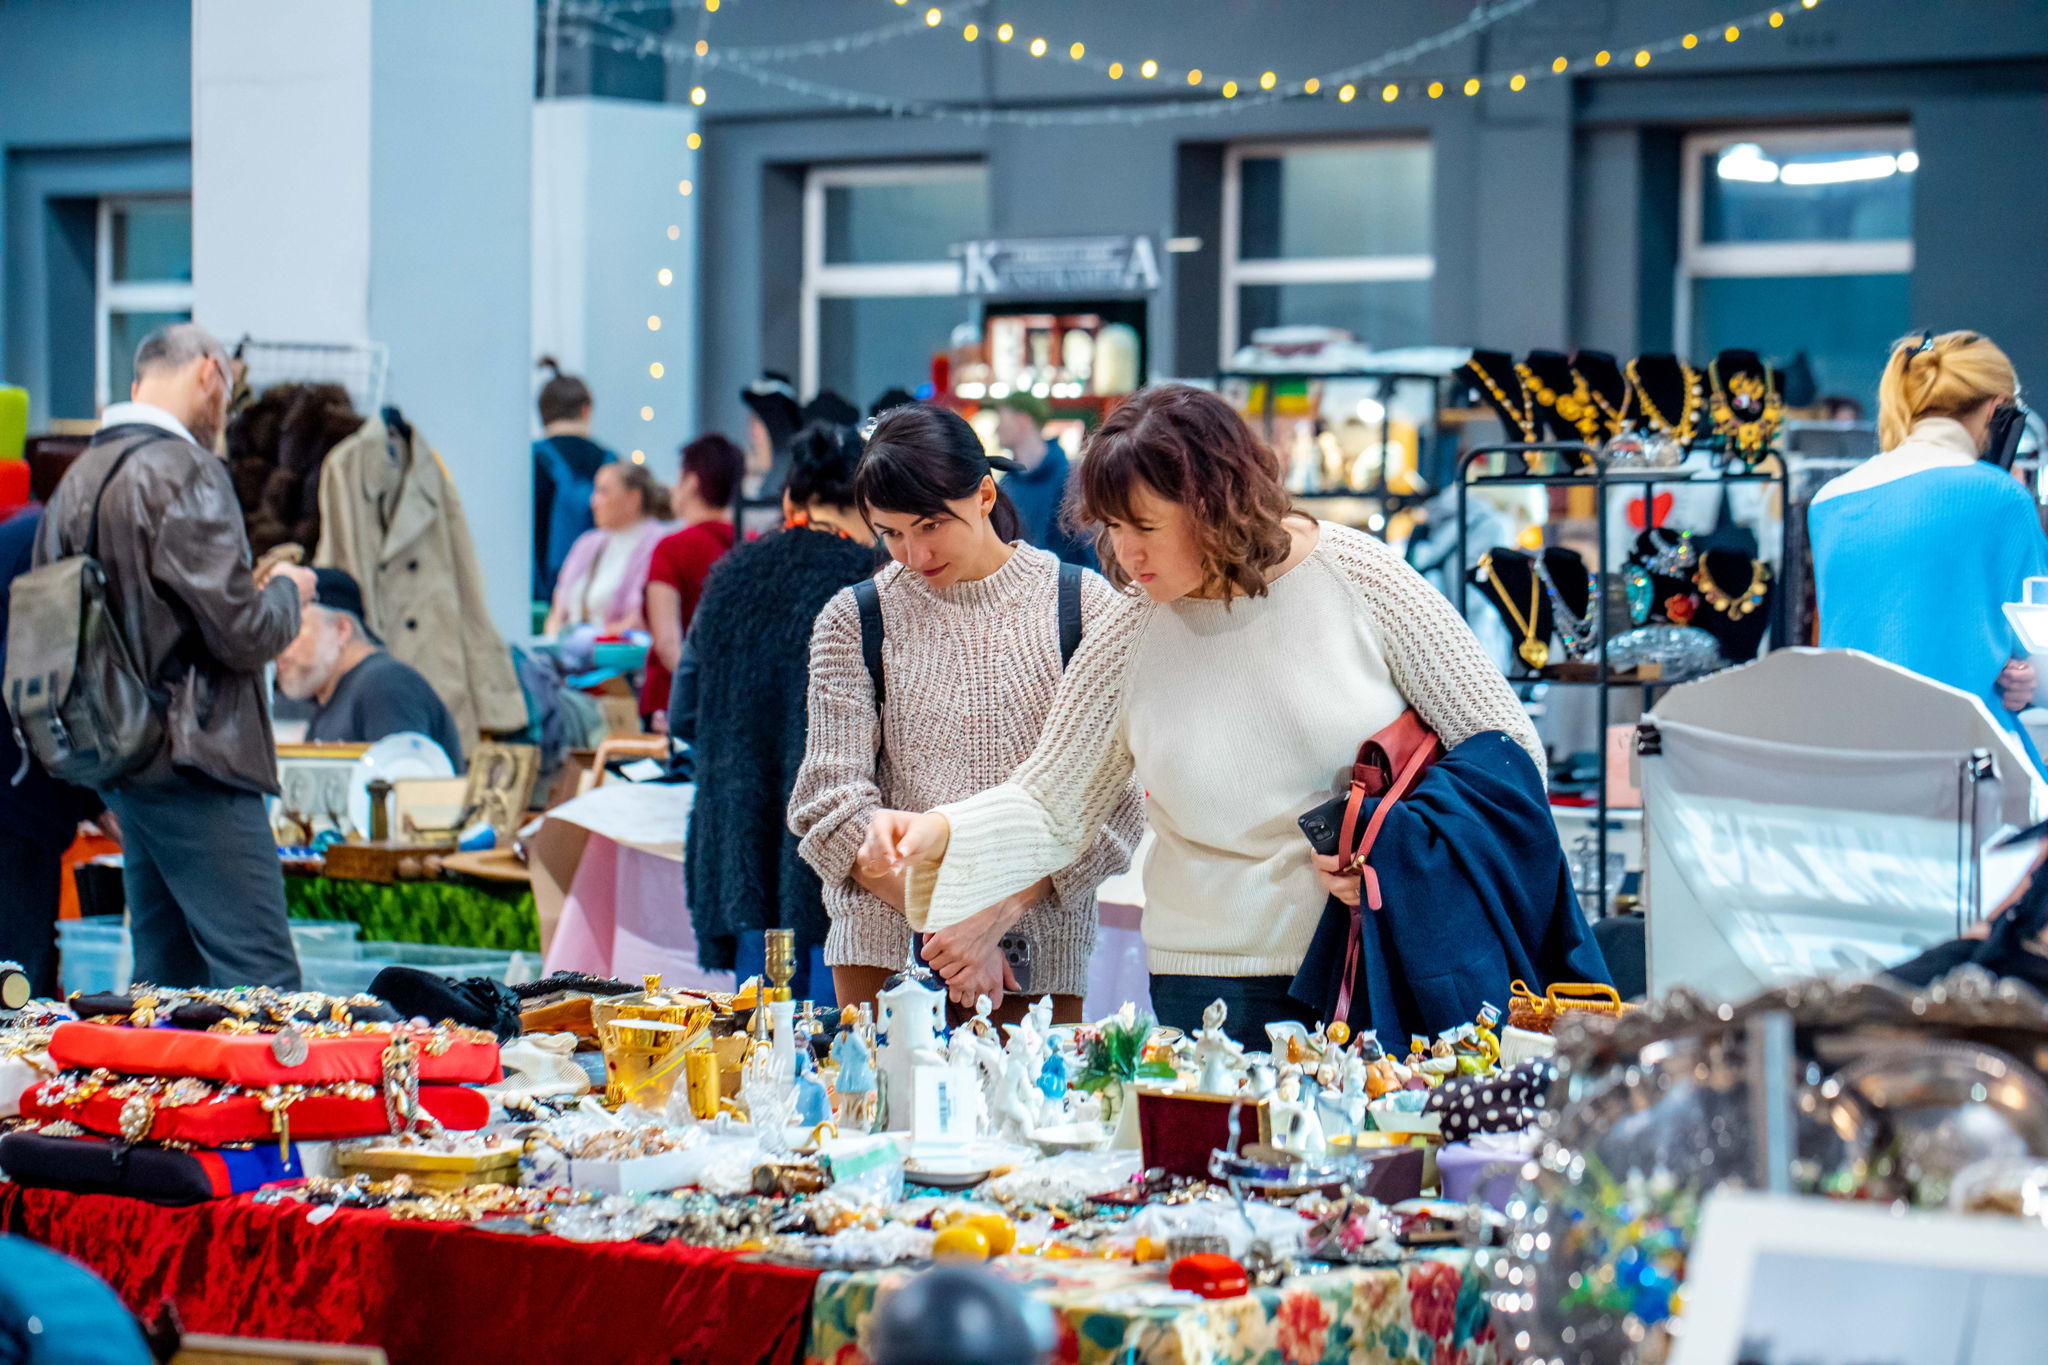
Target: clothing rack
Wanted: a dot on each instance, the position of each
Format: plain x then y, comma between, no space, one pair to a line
360,367
1517,465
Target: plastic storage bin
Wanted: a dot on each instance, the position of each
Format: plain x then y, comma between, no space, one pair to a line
94,955
347,973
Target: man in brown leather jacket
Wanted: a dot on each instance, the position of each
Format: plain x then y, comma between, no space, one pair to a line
205,892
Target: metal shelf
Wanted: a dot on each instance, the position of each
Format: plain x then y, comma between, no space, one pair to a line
1602,480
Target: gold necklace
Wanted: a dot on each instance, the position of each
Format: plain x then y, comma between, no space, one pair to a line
1682,431
1575,407
1750,437
1734,608
1526,418
1617,418
1534,652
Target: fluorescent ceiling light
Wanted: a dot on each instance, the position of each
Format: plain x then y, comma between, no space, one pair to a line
1839,172
1746,161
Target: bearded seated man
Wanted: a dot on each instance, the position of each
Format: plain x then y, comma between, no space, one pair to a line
359,693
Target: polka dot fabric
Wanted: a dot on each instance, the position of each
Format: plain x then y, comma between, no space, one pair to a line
1505,1102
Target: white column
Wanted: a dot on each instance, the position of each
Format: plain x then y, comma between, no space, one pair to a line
361,173
607,194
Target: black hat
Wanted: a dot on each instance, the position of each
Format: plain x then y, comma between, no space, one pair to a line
772,398
890,400
828,406
337,590
478,1002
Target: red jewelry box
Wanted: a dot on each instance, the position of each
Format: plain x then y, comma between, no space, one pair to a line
242,1118
250,1058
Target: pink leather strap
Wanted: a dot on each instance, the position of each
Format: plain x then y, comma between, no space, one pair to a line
1369,882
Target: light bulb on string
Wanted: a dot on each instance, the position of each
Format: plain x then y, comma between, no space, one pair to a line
1733,33
703,48
647,414
1391,93
1230,90
1602,58
1777,19
1038,47
665,276
1149,69
1195,76
1076,52
655,370
1643,57
1472,86
1436,90
639,457
1519,82
654,322
971,32
674,232
1348,93
1004,33
932,17
684,187
1116,71
1311,86
1691,41
697,94
1268,81
694,141
1560,64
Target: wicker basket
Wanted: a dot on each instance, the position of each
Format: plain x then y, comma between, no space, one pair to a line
1540,1013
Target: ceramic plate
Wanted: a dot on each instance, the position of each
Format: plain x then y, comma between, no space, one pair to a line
405,754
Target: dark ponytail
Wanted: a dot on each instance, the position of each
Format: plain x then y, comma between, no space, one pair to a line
564,397
822,460
921,457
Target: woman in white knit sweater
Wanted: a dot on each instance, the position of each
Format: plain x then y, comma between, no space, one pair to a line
1256,648
971,659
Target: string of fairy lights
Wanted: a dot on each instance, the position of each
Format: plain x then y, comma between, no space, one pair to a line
1221,92
685,188
600,25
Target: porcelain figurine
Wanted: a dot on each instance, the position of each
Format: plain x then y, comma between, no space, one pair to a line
1217,1053
855,1057
1297,1128
913,1015
813,1104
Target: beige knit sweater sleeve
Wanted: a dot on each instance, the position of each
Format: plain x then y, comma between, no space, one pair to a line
1057,803
835,789
1437,664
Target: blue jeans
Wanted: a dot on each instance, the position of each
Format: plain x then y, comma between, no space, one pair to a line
812,981
1252,1001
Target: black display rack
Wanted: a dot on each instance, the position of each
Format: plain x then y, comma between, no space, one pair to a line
1572,465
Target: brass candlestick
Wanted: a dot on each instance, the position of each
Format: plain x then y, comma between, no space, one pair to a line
779,961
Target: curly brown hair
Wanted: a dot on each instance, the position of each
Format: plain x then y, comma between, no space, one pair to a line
1192,448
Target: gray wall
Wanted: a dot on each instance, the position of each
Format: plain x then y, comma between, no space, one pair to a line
1556,207
95,100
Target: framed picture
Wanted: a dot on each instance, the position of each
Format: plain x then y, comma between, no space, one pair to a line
501,778
313,789
1775,1280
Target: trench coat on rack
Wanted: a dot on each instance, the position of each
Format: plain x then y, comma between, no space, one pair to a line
389,515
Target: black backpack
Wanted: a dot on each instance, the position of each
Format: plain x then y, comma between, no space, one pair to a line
76,694
867,596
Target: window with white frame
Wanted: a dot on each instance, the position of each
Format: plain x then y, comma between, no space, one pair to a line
881,289
142,281
1799,243
1329,234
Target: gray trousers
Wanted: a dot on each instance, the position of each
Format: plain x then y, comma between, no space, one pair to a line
204,887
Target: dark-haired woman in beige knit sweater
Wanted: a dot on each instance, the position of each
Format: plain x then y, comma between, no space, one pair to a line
971,662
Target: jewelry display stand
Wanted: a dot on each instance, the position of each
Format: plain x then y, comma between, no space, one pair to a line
1262,402
1550,465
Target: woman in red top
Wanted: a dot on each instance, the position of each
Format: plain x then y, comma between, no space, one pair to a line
712,466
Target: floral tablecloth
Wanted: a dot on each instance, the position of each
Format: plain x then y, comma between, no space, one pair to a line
1428,1311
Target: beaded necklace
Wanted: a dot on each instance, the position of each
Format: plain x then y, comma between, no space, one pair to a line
1734,608
1575,407
1525,418
1682,431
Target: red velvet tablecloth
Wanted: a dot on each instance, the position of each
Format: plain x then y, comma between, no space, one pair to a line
429,1294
